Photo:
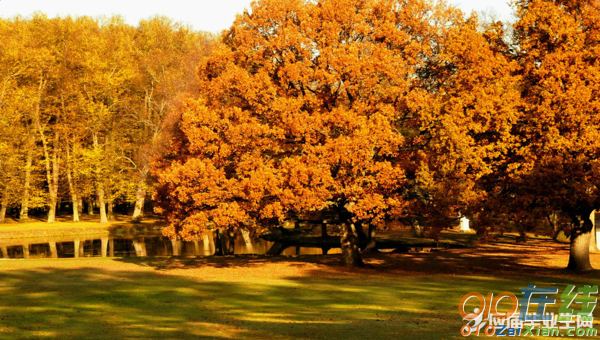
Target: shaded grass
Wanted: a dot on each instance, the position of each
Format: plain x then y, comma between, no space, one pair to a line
399,297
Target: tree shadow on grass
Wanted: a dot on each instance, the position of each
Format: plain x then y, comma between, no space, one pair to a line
97,303
509,260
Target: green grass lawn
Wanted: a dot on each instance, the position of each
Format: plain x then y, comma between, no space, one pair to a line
399,297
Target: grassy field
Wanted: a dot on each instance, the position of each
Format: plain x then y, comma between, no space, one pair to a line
399,296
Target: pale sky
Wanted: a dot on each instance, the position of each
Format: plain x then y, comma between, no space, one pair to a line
205,15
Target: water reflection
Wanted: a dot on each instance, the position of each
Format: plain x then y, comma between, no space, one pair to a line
137,245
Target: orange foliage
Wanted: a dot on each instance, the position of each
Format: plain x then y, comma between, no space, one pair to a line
306,109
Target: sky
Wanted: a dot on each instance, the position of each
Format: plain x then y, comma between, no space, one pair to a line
204,15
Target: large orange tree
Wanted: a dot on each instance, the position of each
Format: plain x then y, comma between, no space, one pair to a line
557,157
307,108
354,111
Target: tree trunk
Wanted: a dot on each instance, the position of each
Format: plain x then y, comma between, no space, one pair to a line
417,231
51,164
579,258
90,207
80,202
363,239
53,186
140,198
103,217
220,244
324,229
553,220
72,189
593,242
247,240
3,205
231,242
111,213
372,244
176,247
349,239
24,213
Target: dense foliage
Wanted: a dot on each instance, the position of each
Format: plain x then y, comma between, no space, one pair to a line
83,105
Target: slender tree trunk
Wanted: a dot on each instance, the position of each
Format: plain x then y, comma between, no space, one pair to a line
372,243
3,205
100,189
90,207
72,189
140,198
553,220
24,213
324,229
579,258
51,163
53,184
349,239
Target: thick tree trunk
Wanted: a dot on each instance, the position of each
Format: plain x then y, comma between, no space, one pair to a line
220,244
80,200
247,240
579,258
103,216
231,242
72,189
363,239
24,213
349,239
140,198
111,211
3,205
593,242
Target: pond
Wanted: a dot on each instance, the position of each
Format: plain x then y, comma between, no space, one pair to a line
139,243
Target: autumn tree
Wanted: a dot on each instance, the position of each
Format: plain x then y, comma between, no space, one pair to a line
558,49
307,109
466,132
166,55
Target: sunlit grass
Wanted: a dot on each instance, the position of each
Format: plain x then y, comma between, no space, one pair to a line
139,298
